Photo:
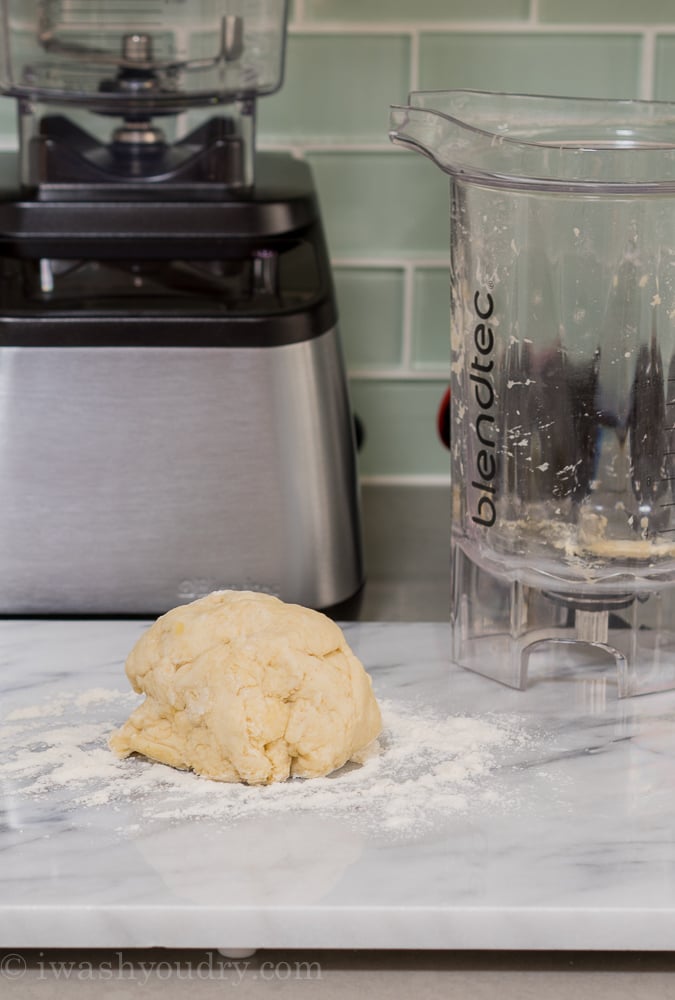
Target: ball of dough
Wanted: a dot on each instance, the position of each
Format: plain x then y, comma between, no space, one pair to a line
242,687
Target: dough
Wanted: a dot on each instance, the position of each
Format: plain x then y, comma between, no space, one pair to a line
240,686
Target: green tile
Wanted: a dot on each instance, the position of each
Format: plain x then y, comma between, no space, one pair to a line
370,303
337,87
399,419
664,72
601,11
403,10
431,318
568,64
382,204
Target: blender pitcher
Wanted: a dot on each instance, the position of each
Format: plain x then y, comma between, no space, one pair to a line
562,275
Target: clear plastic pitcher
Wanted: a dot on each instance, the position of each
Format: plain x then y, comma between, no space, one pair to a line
152,55
163,68
562,274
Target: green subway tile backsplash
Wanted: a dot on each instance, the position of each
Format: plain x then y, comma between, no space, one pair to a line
331,91
606,11
386,210
399,420
404,10
382,204
573,65
370,305
431,318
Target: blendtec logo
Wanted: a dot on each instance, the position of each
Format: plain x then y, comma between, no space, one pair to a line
482,378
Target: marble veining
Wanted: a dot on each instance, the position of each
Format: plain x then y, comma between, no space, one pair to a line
574,848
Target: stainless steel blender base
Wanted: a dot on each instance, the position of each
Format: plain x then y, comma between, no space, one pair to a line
499,624
134,479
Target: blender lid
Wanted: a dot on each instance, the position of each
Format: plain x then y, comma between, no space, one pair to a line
152,55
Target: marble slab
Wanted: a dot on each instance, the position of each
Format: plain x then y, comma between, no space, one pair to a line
564,841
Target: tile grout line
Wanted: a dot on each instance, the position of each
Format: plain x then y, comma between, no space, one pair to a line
391,263
648,64
487,27
299,12
401,479
313,145
414,69
407,318
385,373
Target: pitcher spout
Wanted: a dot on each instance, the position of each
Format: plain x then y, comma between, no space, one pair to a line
584,145
422,130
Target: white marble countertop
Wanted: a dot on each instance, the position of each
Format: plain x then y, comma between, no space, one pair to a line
562,840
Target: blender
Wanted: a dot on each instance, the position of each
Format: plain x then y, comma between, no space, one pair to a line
175,412
562,423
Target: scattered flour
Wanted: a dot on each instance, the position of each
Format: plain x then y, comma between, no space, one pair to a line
57,706
48,710
422,768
